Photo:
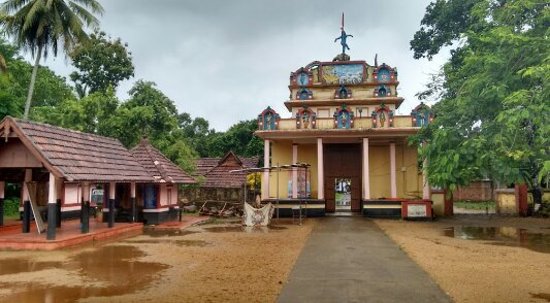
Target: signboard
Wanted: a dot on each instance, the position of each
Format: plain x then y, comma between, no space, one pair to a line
416,211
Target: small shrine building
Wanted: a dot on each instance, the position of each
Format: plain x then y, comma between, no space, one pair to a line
343,122
60,169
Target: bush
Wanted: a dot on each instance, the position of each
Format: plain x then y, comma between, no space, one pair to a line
11,207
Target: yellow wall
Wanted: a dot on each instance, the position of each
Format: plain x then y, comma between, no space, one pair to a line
438,199
379,167
307,153
282,155
409,182
506,202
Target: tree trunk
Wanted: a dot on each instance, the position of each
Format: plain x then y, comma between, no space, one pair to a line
31,85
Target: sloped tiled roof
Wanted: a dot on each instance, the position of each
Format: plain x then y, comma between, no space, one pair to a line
203,165
158,166
76,156
220,175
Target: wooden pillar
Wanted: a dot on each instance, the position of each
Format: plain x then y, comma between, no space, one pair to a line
85,207
26,202
133,200
265,177
59,187
393,178
52,208
111,218
320,170
366,170
2,189
294,171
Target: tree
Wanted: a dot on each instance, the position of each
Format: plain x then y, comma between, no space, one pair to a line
41,25
239,138
90,114
3,66
50,89
492,118
102,63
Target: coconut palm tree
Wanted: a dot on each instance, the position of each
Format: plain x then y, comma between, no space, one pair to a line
39,26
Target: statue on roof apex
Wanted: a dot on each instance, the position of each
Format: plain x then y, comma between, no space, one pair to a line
343,37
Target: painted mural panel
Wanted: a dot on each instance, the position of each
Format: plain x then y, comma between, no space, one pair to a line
343,74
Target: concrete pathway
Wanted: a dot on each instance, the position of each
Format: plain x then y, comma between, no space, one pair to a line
349,259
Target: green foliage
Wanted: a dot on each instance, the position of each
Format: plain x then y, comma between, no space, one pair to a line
39,26
43,25
492,118
239,138
50,88
90,114
101,63
11,207
477,205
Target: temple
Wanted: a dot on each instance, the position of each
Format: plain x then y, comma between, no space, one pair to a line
343,123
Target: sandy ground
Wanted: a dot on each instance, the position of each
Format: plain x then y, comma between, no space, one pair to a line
218,262
480,270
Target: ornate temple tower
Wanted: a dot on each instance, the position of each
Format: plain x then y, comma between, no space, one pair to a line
343,123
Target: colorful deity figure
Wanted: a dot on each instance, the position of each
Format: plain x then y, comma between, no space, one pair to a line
382,118
421,115
268,119
343,118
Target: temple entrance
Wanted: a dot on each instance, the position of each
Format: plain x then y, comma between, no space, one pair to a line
342,166
342,194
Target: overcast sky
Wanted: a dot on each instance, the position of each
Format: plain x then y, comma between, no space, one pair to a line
228,60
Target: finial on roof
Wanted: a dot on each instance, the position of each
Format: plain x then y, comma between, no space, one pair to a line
376,60
343,37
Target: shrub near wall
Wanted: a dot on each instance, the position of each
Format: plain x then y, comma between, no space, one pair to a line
11,207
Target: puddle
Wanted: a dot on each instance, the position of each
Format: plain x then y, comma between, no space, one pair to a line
225,229
542,296
511,236
167,232
117,266
15,266
197,243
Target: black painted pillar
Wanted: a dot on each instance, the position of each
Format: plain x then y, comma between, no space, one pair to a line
52,208
111,213
85,226
58,212
1,211
2,186
26,217
134,215
52,219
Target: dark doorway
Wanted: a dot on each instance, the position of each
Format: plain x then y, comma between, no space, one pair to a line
342,164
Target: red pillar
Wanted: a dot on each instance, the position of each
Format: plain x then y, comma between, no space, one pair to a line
521,199
448,204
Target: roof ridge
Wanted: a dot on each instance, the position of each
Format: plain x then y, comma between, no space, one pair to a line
62,129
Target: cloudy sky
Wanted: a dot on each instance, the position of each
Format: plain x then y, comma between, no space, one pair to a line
228,60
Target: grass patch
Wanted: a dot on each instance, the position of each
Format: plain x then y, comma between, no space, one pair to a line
477,205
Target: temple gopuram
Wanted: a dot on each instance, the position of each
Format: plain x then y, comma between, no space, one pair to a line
342,121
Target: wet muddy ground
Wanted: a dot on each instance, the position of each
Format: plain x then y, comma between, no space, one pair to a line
481,258
207,263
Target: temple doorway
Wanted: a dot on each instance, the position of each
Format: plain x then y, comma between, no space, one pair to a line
342,167
342,194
